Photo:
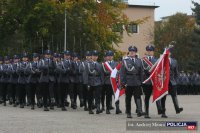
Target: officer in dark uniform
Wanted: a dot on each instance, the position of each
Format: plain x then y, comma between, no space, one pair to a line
107,82
33,78
67,79
95,82
78,88
23,73
172,87
132,77
1,74
5,78
147,63
84,71
60,71
12,89
197,83
56,59
46,78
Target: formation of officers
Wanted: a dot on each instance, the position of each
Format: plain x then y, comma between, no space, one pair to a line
51,78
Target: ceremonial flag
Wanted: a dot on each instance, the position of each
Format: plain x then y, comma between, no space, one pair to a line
115,80
160,76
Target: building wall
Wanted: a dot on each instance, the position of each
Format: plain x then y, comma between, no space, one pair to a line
146,29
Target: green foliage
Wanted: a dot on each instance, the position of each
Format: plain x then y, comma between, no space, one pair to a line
35,25
179,28
194,63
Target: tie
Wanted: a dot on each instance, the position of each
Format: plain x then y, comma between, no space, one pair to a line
150,58
133,59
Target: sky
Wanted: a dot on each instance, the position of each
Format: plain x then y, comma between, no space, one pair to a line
167,7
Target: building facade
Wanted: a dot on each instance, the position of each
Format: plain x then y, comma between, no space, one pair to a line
140,34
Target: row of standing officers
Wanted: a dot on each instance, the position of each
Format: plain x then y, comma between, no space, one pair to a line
53,78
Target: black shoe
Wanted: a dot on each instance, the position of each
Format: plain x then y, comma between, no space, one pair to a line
93,106
98,111
74,107
147,116
21,106
139,114
102,109
136,111
67,104
52,107
32,107
91,112
164,116
179,110
63,109
159,111
107,111
4,104
46,109
81,104
129,115
85,109
15,105
111,108
118,111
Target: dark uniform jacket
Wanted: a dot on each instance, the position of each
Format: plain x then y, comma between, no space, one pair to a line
146,68
34,72
107,74
65,70
77,72
23,72
131,72
14,75
6,74
47,67
173,72
95,74
84,71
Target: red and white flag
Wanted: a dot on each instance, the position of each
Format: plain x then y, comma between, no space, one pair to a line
160,76
115,80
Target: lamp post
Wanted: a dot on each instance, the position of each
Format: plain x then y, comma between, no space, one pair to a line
65,43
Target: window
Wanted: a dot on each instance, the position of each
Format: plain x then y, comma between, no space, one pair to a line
133,28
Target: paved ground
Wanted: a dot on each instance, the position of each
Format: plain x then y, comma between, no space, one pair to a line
16,120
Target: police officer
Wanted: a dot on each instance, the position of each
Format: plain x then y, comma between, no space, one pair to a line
108,87
23,73
172,87
13,81
60,71
147,63
45,65
197,83
84,71
33,78
78,88
1,74
132,76
95,82
67,78
5,78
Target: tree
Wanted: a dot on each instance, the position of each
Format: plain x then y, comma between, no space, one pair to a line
37,24
179,28
195,56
